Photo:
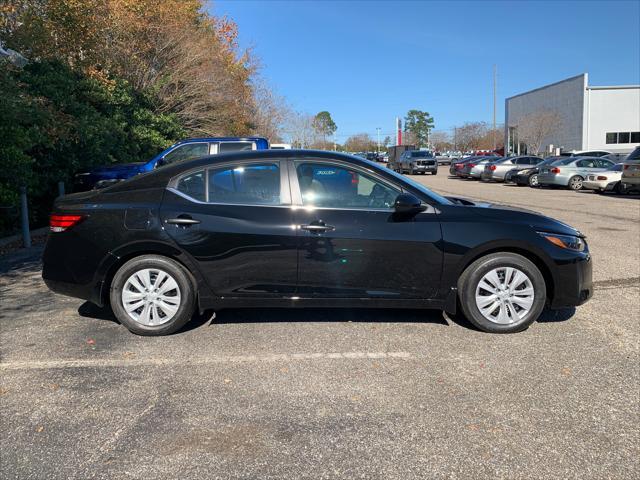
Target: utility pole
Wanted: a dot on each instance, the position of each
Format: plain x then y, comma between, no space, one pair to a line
495,74
378,132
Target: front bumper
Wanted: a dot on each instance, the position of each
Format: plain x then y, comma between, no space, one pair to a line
425,168
573,281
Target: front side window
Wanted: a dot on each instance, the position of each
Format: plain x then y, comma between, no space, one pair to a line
186,152
336,186
254,184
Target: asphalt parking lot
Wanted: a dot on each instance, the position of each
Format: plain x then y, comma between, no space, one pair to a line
332,393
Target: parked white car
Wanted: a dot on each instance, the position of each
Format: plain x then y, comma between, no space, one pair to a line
607,181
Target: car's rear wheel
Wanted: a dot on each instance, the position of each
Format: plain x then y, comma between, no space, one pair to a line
152,295
618,188
502,293
575,182
533,180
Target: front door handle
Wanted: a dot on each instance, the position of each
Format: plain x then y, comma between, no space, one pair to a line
183,221
317,227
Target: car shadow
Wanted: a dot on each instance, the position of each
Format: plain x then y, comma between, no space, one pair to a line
622,196
321,315
557,315
355,315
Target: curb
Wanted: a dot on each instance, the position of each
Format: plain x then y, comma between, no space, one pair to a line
14,238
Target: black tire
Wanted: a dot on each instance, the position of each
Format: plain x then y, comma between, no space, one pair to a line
618,188
533,181
575,183
182,277
468,283
434,173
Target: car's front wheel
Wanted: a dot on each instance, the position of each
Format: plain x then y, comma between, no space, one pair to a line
502,293
533,180
152,295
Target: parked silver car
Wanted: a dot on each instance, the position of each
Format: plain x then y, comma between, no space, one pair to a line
495,171
572,171
474,168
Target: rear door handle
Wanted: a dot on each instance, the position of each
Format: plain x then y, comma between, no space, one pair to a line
317,228
184,221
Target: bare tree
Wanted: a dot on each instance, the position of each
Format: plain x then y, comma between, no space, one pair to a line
535,128
360,142
299,126
441,140
271,112
470,135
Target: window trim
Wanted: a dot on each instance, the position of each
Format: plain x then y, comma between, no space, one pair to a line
285,189
296,194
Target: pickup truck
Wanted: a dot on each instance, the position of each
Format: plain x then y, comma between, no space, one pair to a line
101,177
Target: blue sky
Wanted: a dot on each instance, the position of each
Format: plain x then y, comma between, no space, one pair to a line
367,62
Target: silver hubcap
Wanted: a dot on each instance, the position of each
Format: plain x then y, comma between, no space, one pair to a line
504,295
576,183
151,296
533,180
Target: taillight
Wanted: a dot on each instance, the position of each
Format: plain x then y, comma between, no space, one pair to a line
492,167
555,170
472,165
59,223
600,177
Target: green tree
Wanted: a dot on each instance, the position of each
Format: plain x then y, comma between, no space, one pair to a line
419,124
324,125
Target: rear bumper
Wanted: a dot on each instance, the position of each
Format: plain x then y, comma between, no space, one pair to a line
573,282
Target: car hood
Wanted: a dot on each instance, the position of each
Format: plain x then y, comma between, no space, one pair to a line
522,216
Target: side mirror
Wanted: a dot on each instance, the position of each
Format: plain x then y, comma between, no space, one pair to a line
160,163
407,204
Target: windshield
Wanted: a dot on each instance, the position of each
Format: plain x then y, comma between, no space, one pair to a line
418,186
421,154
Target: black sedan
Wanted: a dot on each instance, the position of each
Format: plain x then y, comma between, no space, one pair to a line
307,228
528,175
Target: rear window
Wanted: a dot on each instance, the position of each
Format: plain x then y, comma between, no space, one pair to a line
565,161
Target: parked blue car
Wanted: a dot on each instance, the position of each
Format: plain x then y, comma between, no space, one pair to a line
101,177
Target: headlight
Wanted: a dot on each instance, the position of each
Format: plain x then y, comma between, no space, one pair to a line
568,242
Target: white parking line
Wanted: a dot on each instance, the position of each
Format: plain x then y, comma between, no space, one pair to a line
141,362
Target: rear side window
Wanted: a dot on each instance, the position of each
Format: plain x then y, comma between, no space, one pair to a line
255,184
224,147
586,163
192,185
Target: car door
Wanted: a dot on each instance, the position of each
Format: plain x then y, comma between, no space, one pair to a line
235,220
351,242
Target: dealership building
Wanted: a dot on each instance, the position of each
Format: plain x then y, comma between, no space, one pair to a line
584,117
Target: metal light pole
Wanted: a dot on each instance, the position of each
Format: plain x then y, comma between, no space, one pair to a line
378,132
